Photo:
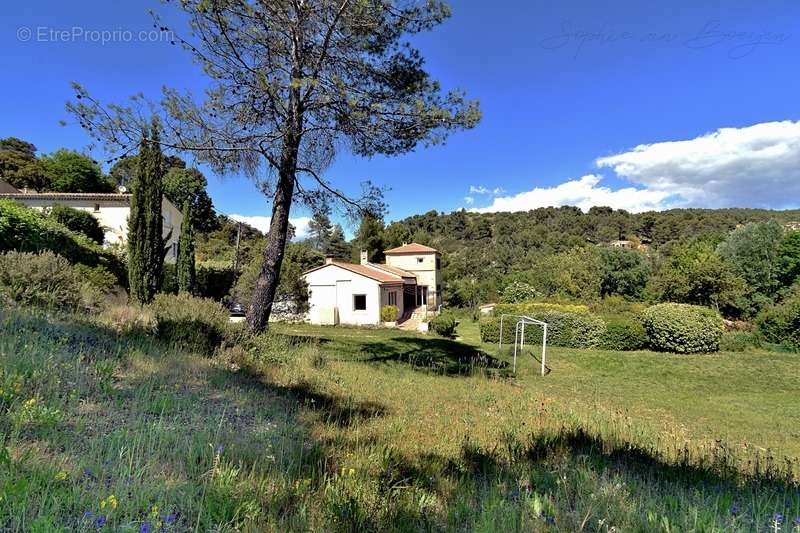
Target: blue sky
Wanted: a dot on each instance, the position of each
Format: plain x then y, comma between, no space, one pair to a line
710,95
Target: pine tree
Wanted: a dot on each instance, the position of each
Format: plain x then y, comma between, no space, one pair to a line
370,237
186,267
319,230
145,224
337,246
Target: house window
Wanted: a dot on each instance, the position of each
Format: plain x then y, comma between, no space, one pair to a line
96,208
359,302
392,298
420,260
438,263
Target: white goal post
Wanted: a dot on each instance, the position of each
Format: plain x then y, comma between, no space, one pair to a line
519,335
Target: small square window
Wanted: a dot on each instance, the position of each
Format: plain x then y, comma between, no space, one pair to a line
96,208
392,298
359,302
420,259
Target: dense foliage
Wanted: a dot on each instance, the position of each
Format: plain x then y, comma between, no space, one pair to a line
444,325
780,323
570,329
78,221
28,230
623,333
389,313
682,328
194,324
145,222
49,281
186,265
69,171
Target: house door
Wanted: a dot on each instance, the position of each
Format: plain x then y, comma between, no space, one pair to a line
409,298
422,296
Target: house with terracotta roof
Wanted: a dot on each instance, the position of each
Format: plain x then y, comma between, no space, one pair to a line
347,293
110,209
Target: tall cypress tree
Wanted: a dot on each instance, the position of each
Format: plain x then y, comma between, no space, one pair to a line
186,268
145,223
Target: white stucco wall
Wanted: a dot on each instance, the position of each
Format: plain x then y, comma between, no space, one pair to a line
333,286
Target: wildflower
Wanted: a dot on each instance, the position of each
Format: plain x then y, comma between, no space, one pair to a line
88,515
100,522
777,518
146,527
220,449
351,472
61,476
796,522
111,502
171,518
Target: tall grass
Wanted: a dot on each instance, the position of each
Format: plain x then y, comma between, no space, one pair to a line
108,428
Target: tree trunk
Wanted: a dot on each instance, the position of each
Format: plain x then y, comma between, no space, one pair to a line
269,277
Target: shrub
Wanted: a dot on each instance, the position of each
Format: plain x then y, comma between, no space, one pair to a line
389,313
780,324
682,328
623,333
518,291
39,280
444,325
196,324
574,330
78,221
26,230
739,341
529,308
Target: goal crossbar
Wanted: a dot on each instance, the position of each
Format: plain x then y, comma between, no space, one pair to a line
519,335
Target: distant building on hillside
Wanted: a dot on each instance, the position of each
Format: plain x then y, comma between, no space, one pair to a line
110,209
348,293
628,245
792,226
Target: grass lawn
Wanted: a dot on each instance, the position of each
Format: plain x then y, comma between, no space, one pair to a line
345,429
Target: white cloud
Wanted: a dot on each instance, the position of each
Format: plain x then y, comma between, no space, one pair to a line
469,200
262,224
755,166
584,193
480,189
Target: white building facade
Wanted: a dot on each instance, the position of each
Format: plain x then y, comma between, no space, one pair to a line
110,209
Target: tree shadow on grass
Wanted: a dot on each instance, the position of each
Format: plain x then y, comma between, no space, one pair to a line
441,356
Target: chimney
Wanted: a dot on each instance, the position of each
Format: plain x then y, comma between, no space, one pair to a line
364,257
328,259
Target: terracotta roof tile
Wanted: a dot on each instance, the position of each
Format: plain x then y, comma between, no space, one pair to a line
412,248
370,272
394,270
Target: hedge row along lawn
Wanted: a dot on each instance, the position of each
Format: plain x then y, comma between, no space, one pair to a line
340,429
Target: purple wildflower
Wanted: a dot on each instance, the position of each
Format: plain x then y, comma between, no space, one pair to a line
735,510
170,518
147,527
88,515
796,521
777,518
100,522
220,449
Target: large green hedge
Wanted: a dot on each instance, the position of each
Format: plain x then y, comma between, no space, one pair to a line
574,330
683,328
528,308
196,324
623,333
24,229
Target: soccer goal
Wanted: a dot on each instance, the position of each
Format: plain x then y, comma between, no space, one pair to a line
520,321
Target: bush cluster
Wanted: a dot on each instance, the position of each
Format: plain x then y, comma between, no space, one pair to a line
49,281
623,333
389,313
212,281
683,328
780,324
528,308
444,325
739,341
573,330
26,230
196,324
78,221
